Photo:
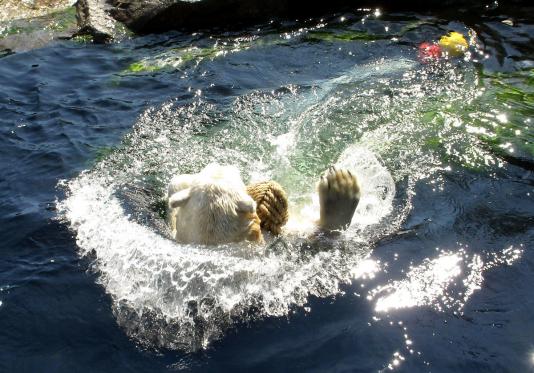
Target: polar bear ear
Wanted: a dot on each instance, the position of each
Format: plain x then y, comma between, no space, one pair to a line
245,206
179,198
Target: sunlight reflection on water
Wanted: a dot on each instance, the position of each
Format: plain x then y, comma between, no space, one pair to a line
432,283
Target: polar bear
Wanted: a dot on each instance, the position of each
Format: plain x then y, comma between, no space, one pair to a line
213,207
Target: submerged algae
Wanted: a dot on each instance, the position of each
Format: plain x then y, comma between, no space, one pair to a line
500,117
508,114
177,57
347,35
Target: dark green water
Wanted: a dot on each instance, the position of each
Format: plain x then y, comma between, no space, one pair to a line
434,274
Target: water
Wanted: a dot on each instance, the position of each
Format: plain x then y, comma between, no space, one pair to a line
433,274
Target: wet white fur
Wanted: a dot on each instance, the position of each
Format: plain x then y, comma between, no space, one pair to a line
209,207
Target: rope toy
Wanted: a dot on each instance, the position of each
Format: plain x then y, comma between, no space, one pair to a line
271,205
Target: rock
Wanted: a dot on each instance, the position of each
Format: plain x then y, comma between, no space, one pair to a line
94,19
25,9
42,26
136,14
25,41
101,17
163,15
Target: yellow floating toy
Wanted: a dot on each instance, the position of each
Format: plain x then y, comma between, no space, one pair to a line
453,44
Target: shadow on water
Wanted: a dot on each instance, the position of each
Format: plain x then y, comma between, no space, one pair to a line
440,282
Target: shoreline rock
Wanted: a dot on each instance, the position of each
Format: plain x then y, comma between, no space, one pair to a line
100,17
24,9
22,34
40,22
94,19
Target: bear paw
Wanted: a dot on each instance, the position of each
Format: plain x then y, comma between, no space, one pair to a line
339,194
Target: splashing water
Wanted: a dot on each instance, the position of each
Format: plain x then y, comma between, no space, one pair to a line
371,119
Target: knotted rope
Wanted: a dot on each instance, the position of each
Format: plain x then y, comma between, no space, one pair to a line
271,205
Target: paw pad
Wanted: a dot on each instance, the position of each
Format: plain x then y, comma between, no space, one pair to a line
339,194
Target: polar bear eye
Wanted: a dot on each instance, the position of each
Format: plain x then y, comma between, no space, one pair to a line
180,198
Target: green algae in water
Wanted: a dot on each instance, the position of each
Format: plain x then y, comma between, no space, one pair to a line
347,35
497,117
140,66
176,58
506,111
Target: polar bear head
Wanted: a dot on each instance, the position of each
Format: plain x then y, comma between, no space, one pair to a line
212,207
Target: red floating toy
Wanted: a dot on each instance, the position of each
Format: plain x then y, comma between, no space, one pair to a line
429,52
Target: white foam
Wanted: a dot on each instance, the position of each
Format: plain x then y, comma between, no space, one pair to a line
377,193
148,274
